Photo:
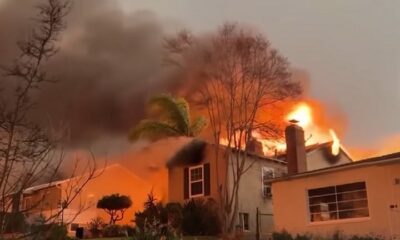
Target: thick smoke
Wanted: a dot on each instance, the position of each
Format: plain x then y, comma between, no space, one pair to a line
109,64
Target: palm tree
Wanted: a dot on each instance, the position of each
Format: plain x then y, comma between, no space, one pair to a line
173,120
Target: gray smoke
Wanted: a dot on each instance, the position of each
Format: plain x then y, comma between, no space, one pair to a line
109,64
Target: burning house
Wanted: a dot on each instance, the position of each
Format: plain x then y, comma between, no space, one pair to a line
196,171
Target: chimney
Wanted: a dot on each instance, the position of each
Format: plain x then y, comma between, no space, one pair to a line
255,146
295,148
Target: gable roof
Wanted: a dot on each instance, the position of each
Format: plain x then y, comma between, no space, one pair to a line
35,188
326,146
194,152
384,159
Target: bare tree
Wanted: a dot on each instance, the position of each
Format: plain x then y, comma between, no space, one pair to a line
240,76
29,152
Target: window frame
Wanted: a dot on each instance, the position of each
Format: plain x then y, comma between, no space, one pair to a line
337,202
242,222
265,185
196,181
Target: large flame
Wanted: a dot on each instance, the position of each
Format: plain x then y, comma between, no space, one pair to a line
302,114
336,143
308,116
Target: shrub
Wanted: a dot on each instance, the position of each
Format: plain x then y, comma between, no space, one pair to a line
367,237
13,222
303,237
283,235
200,217
113,231
58,232
128,230
95,225
157,220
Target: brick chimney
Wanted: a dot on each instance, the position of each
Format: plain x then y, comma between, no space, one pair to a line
295,148
255,146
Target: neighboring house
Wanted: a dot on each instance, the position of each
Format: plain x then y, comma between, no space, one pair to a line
196,172
47,199
360,197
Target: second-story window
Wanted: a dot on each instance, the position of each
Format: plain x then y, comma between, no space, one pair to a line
196,181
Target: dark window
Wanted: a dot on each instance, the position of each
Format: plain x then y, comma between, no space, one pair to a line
338,202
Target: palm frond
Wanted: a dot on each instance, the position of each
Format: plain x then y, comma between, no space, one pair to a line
152,129
198,125
174,112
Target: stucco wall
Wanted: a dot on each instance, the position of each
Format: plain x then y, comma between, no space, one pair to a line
291,204
42,200
251,196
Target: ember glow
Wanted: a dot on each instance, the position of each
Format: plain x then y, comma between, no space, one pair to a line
336,143
315,132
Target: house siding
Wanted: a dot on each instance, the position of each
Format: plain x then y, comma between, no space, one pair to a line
251,196
291,202
319,159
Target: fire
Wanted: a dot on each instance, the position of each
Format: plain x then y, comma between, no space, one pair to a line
336,143
302,113
310,117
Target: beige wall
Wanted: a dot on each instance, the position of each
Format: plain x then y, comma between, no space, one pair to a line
250,190
291,209
318,159
42,200
251,196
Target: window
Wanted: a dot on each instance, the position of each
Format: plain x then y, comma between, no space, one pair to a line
338,202
196,181
244,221
267,173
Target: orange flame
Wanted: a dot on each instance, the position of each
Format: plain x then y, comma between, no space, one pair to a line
336,143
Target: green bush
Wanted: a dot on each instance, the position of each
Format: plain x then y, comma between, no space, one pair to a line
58,232
367,237
95,225
13,222
337,235
200,218
283,235
303,237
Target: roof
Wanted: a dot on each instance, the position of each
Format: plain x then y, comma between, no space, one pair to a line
327,146
193,152
33,189
44,185
384,159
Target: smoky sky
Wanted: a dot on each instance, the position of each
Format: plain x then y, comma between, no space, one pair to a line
108,65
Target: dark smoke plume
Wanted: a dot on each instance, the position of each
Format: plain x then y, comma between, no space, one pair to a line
109,64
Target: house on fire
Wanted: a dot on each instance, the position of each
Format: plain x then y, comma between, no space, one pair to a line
196,172
356,198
